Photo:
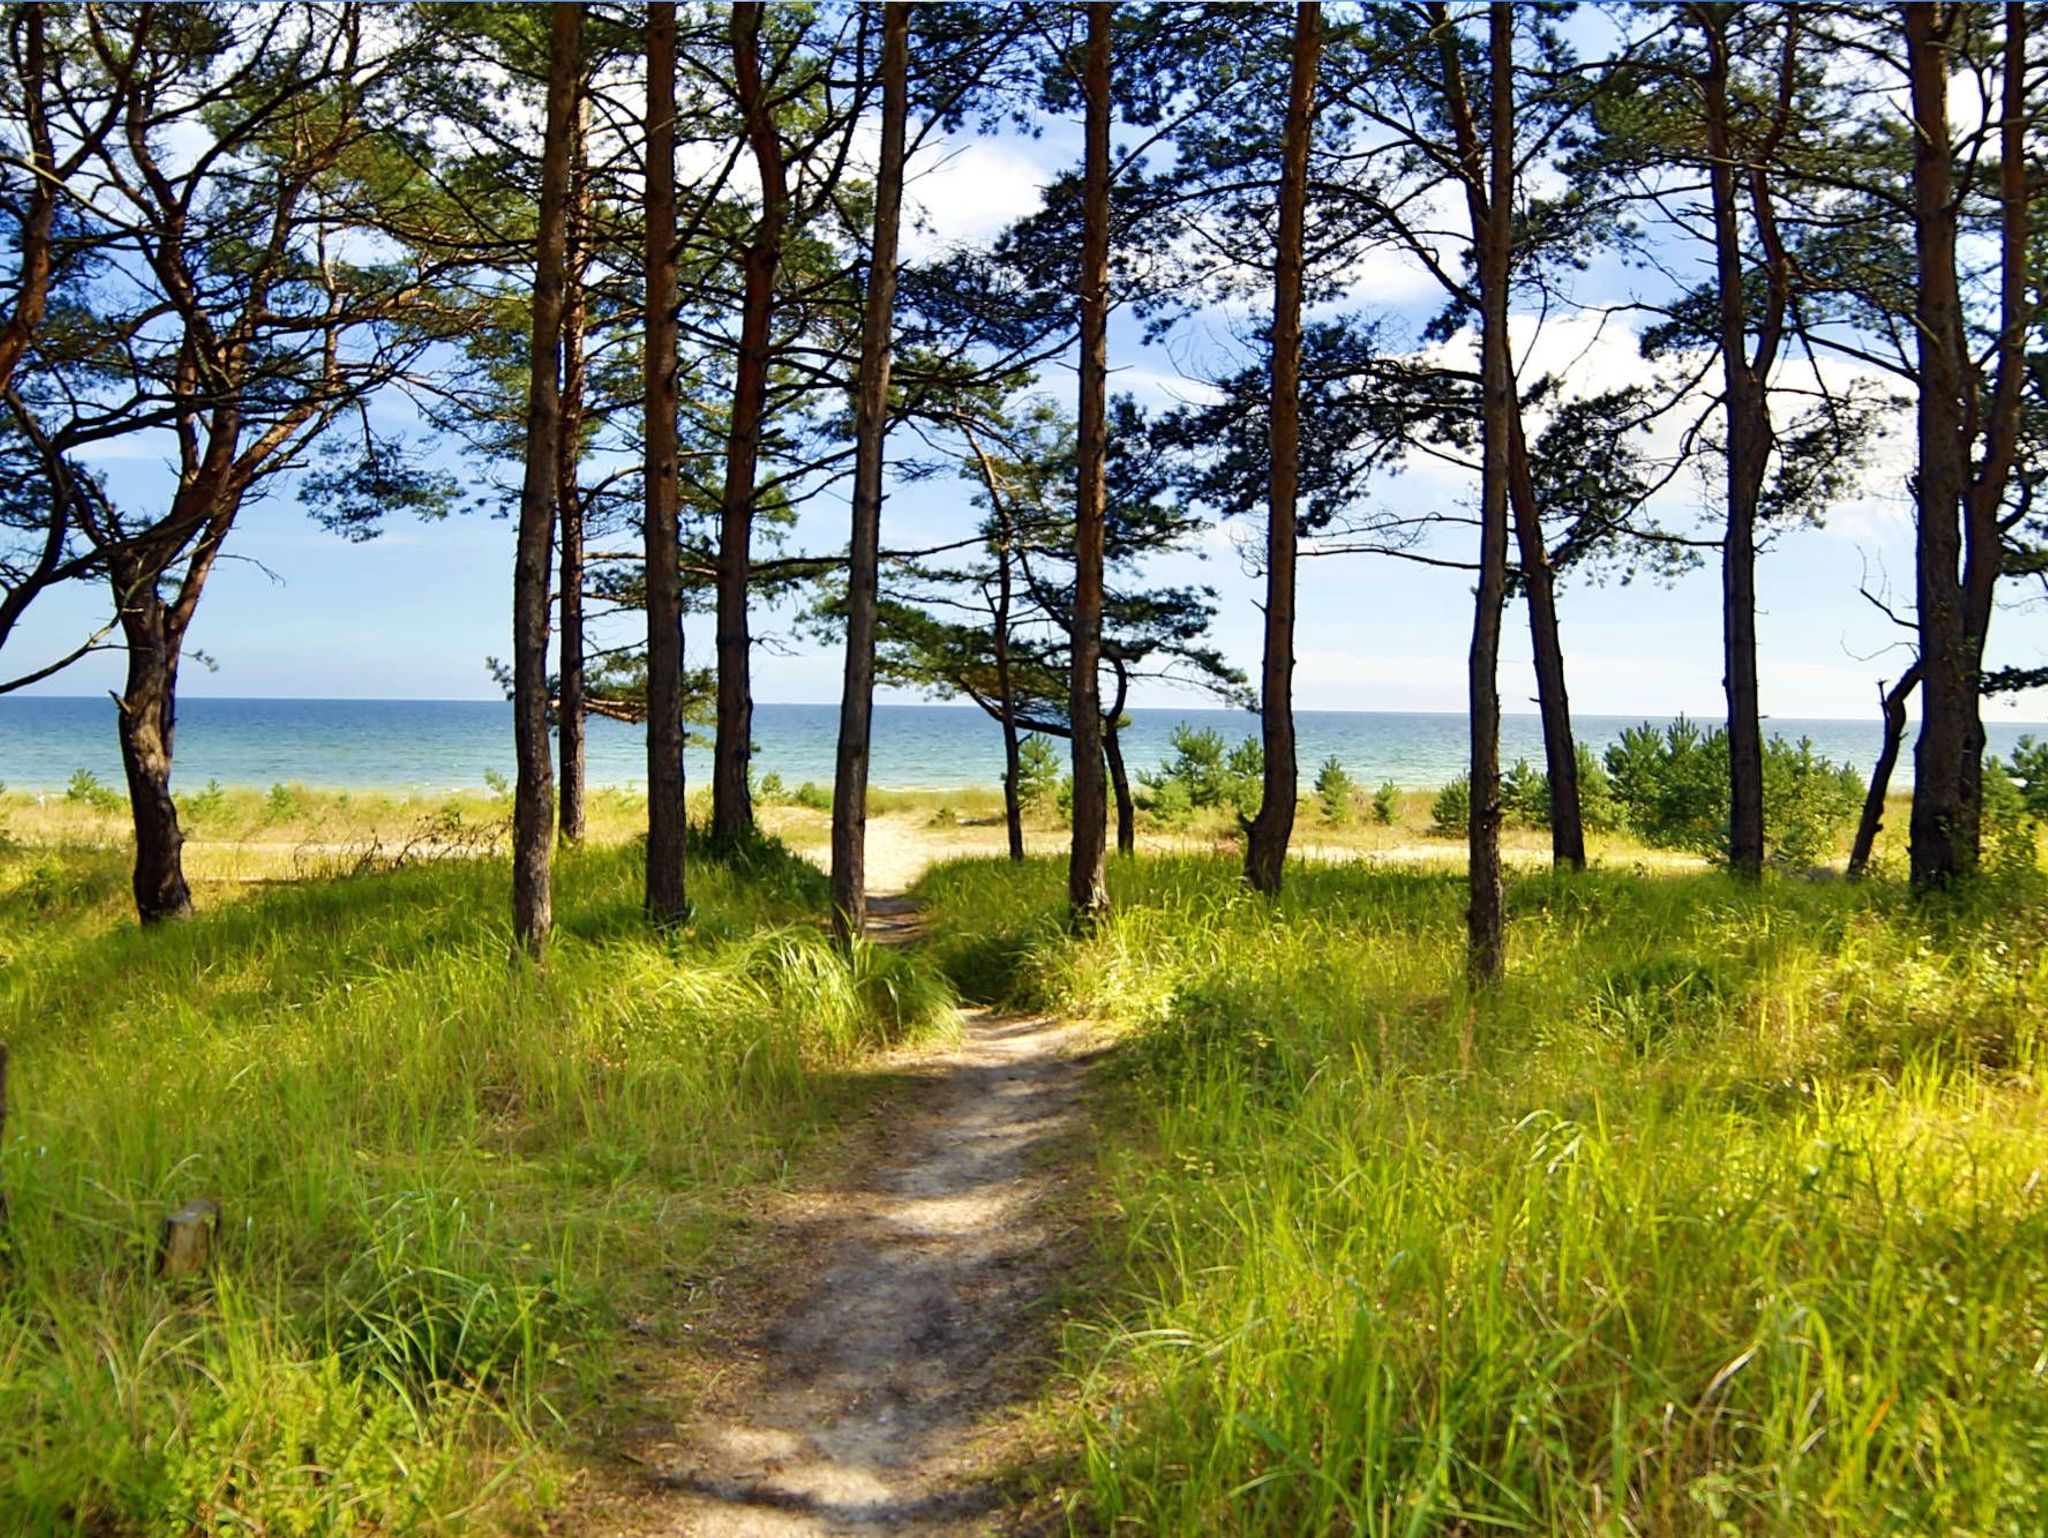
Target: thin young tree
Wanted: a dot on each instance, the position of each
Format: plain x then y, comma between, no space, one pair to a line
570,709
533,808
871,423
732,807
1087,880
1489,174
666,899
1266,837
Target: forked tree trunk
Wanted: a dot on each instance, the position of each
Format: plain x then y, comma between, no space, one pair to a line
569,712
1087,884
871,424
1267,835
666,902
732,803
1988,477
1749,447
1539,588
147,726
1892,704
533,809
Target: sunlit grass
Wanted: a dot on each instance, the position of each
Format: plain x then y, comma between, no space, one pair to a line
1723,1214
446,1178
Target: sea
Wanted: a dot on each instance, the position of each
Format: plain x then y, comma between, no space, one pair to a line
439,745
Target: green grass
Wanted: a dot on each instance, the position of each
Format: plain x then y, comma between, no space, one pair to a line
1724,1214
448,1179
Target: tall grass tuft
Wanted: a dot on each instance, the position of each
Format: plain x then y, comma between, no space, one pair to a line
1724,1214
446,1179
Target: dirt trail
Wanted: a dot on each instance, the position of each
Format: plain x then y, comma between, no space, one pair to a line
867,1397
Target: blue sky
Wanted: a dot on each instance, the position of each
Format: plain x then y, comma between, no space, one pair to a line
296,611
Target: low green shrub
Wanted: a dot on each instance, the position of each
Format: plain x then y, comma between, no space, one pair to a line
1450,811
1336,793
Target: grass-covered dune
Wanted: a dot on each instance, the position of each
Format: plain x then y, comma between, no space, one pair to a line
447,1180
1724,1214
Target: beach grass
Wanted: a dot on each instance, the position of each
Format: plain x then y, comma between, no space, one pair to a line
1723,1214
449,1181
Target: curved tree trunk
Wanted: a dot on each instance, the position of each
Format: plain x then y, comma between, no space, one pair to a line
569,713
871,424
1539,587
533,809
1267,835
1892,703
666,900
1113,754
1120,785
147,726
732,801
1087,884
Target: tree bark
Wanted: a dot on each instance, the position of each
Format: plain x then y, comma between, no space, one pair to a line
1942,841
1267,835
1006,689
1485,919
1984,497
732,803
666,900
1087,883
871,425
1748,454
1539,588
39,211
1120,784
569,502
147,727
533,796
1892,704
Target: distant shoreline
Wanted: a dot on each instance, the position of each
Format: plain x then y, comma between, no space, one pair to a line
426,748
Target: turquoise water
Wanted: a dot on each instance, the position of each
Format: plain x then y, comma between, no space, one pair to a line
451,744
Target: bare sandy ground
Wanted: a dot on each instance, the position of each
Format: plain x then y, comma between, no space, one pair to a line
902,845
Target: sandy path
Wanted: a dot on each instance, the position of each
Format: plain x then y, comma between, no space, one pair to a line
867,1396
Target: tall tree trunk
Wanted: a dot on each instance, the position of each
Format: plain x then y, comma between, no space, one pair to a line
1748,452
666,902
1539,587
1941,838
1892,705
1267,835
1984,497
569,712
147,725
871,424
1087,884
732,802
533,809
1485,919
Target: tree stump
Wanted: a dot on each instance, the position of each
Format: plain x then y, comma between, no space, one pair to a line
187,1243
